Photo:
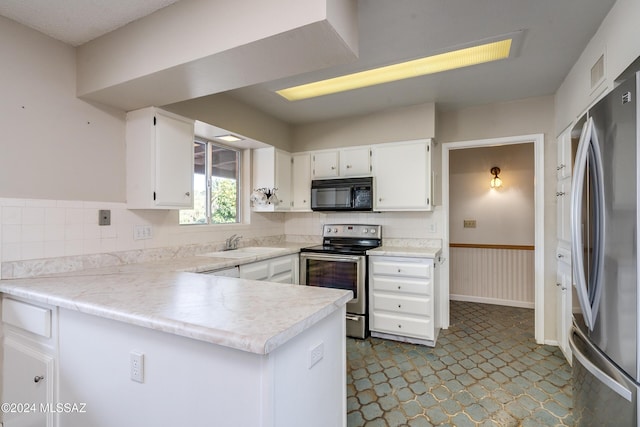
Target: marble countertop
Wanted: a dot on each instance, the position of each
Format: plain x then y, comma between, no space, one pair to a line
166,295
403,251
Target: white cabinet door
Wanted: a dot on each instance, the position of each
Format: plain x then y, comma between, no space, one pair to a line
563,305
280,269
174,161
325,164
28,377
255,271
355,161
402,173
272,169
283,180
563,206
301,182
564,153
159,157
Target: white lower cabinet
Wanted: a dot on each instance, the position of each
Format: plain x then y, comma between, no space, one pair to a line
28,365
403,299
564,301
282,269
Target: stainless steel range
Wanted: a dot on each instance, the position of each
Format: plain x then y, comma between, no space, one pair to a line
341,262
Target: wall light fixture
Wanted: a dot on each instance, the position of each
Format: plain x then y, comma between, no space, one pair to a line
496,182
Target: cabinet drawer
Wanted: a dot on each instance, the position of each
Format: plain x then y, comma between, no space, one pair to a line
391,284
286,277
25,316
255,271
403,269
280,265
403,304
400,325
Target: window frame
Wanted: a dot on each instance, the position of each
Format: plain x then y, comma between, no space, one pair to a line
208,179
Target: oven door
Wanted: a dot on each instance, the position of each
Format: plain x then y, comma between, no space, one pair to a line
337,271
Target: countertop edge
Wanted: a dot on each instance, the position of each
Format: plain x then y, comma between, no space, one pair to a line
261,344
401,251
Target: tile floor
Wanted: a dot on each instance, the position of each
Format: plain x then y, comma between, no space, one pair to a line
486,370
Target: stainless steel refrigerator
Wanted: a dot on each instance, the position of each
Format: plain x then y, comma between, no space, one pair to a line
605,219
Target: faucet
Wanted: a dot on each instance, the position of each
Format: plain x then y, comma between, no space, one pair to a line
232,242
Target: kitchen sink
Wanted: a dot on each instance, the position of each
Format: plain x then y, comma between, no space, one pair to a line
249,251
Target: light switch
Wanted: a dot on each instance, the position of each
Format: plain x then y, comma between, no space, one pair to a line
469,223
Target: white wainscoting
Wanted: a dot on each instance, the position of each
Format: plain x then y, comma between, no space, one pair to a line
503,276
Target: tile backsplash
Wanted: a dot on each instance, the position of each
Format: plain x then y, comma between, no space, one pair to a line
34,229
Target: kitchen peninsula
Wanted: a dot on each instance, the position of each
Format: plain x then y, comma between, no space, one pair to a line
177,348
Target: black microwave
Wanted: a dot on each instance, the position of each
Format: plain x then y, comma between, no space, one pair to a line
347,194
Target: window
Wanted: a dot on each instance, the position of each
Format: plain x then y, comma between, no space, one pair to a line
216,185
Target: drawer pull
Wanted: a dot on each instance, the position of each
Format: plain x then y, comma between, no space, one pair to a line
399,287
399,326
399,305
398,270
38,378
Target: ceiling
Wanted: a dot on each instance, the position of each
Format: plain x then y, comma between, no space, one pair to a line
555,32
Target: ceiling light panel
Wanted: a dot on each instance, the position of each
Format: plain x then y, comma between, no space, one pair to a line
460,58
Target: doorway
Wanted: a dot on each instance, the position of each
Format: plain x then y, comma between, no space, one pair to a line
538,150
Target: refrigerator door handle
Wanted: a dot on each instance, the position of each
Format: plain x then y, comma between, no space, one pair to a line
614,385
588,149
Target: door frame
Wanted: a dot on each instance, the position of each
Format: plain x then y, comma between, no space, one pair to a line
538,144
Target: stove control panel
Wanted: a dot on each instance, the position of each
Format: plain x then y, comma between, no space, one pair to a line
352,230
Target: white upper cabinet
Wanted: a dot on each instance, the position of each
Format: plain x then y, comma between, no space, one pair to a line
325,164
301,182
402,173
355,161
565,157
272,169
159,156
345,162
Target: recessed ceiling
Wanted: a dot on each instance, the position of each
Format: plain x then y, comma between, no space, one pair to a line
554,35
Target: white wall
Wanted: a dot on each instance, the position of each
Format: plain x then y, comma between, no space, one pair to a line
63,159
617,38
399,124
504,216
228,113
53,145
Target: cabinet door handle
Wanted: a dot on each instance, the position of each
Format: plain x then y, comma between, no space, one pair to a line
399,287
188,193
562,166
399,326
399,305
38,378
398,270
333,168
348,166
560,193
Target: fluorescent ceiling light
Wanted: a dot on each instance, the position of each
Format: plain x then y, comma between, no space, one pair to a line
229,138
418,67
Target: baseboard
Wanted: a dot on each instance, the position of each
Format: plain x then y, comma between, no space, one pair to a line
496,301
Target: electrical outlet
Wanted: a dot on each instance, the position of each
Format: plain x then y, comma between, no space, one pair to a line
316,354
469,223
137,366
142,232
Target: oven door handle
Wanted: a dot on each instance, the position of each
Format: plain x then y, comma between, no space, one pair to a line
338,258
